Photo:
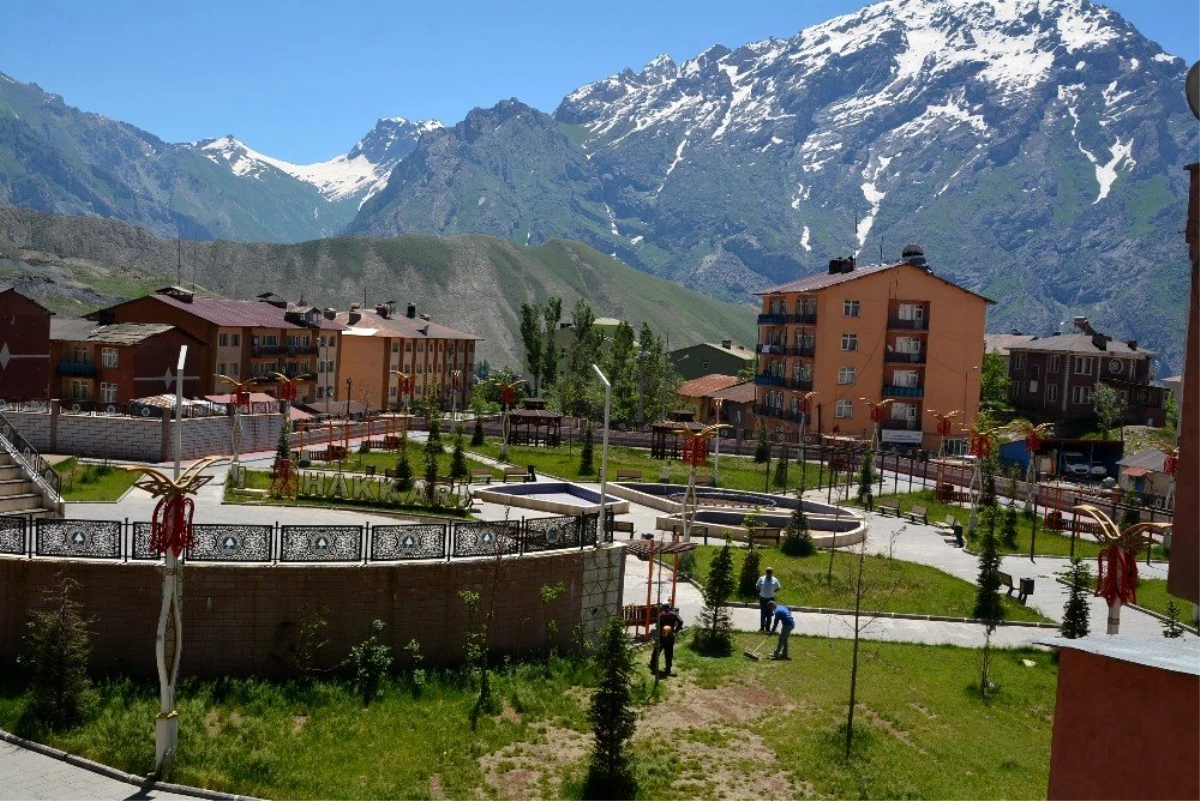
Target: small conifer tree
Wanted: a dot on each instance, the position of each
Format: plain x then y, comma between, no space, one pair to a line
458,461
762,448
1008,533
1172,628
432,450
1075,611
477,434
404,473
613,719
748,578
781,471
586,468
435,435
715,635
866,477
796,538
57,647
283,449
987,598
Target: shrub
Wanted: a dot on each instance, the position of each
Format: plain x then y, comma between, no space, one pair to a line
586,468
370,660
57,646
1172,628
458,462
714,637
311,630
477,433
613,719
404,473
1008,533
748,578
364,446
1075,610
416,672
796,539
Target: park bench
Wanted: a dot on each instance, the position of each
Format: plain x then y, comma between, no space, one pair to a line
1023,588
705,481
515,473
918,514
629,475
949,523
765,534
481,475
889,506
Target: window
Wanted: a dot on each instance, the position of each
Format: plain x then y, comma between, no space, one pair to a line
1114,366
1052,392
108,392
223,340
1143,397
271,340
1081,395
235,340
846,375
905,378
109,357
408,347
1052,367
845,409
914,312
79,390
850,308
391,392
420,347
320,392
1035,372
1018,360
910,345
83,354
1083,365
849,341
233,370
221,368
419,369
395,346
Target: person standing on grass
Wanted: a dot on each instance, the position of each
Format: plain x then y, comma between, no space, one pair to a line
782,616
669,624
767,585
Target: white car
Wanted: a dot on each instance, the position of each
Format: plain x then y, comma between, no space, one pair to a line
1098,471
1076,466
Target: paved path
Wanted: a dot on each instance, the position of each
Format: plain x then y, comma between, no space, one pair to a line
26,774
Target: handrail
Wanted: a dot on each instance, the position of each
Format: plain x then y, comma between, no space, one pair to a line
40,470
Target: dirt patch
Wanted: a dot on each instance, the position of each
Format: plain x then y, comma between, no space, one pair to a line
298,723
212,723
746,767
435,788
924,711
517,770
690,706
886,725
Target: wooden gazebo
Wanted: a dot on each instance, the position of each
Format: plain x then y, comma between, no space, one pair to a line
534,424
668,442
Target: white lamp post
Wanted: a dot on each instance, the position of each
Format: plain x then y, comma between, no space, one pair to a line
718,402
604,453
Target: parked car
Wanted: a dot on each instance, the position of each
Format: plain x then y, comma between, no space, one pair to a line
1099,471
1075,465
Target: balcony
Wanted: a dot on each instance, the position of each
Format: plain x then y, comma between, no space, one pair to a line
76,368
892,391
764,380
779,413
283,350
772,319
896,324
771,349
802,319
905,358
900,425
804,384
807,352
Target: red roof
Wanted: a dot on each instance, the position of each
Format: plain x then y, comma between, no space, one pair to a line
705,385
402,326
738,393
819,281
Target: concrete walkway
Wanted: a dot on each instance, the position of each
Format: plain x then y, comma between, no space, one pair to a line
27,774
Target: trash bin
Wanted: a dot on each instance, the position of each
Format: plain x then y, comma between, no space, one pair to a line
532,473
958,537
1026,587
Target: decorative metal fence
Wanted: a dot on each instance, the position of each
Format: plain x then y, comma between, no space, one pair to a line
274,544
29,455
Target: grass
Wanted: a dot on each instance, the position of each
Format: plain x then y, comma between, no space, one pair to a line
737,472
1152,595
386,460
720,728
83,481
261,480
898,586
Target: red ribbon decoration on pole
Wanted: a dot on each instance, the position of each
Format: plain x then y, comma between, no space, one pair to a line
876,414
287,392
1116,577
1033,442
981,446
508,396
171,525
943,426
241,398
1171,465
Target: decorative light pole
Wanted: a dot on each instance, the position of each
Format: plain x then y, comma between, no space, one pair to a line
508,397
240,390
719,403
455,378
284,480
695,454
944,426
1116,580
982,441
877,411
604,453
1033,436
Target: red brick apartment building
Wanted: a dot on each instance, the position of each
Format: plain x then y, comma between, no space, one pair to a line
117,363
24,347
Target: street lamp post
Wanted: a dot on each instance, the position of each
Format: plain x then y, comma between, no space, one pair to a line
718,402
604,453
455,376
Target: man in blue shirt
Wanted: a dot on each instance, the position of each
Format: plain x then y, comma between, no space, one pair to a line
782,616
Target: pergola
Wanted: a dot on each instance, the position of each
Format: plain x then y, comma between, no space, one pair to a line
534,424
667,442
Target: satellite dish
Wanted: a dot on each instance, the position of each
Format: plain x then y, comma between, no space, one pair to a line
1193,89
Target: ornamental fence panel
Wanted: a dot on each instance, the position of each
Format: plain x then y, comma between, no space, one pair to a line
78,539
220,542
13,535
320,543
416,541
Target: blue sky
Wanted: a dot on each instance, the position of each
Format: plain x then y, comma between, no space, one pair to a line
302,80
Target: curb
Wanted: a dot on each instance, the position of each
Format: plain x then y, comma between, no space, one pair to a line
112,773
1161,617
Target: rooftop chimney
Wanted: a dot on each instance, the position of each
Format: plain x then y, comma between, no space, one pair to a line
837,266
727,344
1132,343
1082,323
426,318
382,310
355,306
914,255
1100,341
330,313
354,316
412,311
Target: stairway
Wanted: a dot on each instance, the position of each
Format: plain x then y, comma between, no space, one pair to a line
19,497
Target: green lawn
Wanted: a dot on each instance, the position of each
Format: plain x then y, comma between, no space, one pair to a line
898,586
386,460
722,728
1152,594
737,472
93,482
1049,543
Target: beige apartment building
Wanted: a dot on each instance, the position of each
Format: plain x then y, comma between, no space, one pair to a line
858,335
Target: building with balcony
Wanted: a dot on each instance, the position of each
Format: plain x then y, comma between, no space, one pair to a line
377,344
112,364
1055,376
24,346
249,340
858,335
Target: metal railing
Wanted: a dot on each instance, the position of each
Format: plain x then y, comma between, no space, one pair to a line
35,464
895,391
905,358
772,319
908,325
277,543
67,367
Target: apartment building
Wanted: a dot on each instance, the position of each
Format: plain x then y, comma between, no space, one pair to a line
112,364
377,345
250,340
24,347
858,335
1055,376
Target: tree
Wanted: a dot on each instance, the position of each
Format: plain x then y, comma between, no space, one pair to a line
987,596
748,578
531,338
715,636
613,719
781,469
866,476
551,316
993,381
371,661
1108,406
404,473
586,468
1171,407
477,433
1075,611
619,360
431,467
57,646
1132,513
434,440
987,471
796,539
283,449
1008,533
1172,628
746,371
458,461
762,448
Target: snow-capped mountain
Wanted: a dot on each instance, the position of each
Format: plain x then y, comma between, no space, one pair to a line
355,175
1033,147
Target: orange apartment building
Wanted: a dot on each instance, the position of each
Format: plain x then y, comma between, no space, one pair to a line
246,339
377,344
893,332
